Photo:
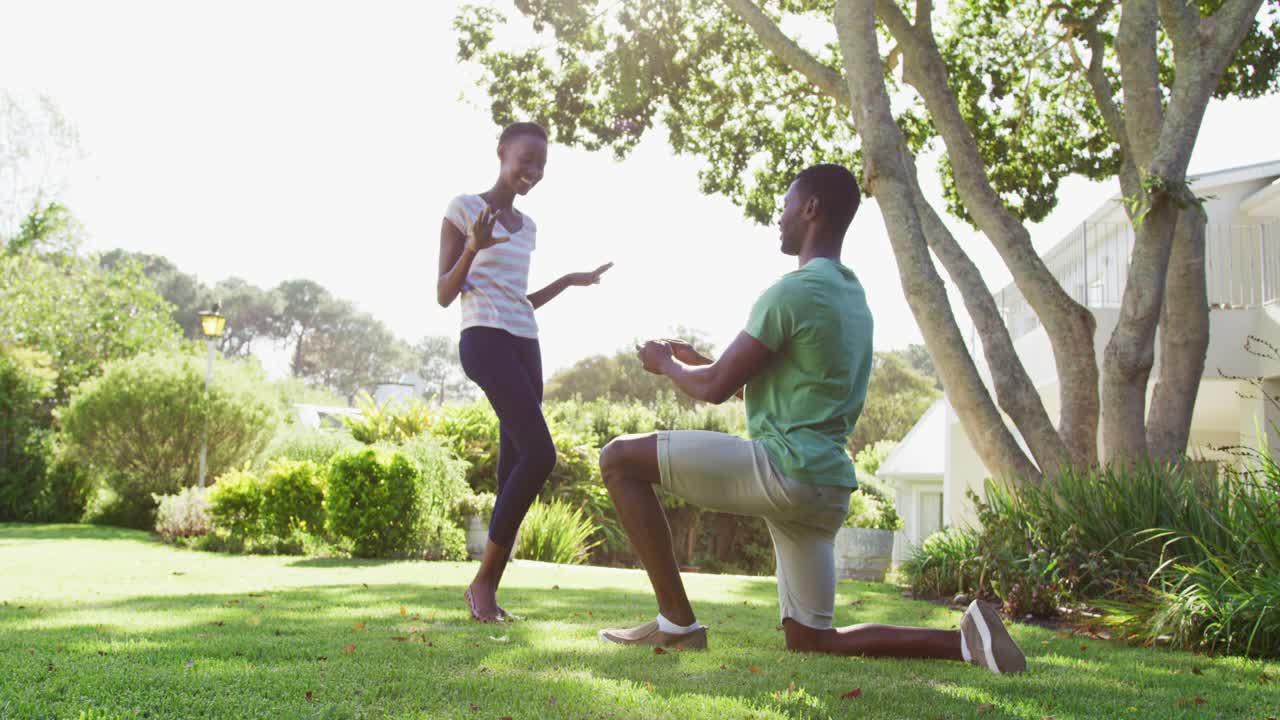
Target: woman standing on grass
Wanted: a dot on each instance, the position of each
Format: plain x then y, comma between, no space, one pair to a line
485,248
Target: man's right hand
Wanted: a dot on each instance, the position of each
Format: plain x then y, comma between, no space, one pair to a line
481,236
685,353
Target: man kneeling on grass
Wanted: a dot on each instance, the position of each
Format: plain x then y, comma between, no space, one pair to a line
804,360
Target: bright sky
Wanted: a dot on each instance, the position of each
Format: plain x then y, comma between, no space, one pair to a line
323,140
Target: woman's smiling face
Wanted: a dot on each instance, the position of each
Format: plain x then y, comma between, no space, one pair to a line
523,159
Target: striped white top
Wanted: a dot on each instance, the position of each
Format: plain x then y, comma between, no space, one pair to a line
495,293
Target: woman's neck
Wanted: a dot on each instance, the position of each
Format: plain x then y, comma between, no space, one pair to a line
500,197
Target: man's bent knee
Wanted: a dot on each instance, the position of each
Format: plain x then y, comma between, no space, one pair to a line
626,456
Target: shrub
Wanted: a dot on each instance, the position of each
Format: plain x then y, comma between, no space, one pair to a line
475,505
26,387
392,421
183,515
871,507
554,532
470,431
443,486
944,564
292,498
373,502
141,424
1219,590
1025,565
309,444
1087,533
870,458
67,487
235,504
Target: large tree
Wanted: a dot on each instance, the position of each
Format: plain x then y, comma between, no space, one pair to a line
1018,94
897,396
38,147
350,351
68,306
435,359
621,376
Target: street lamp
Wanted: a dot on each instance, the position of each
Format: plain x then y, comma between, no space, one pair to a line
211,324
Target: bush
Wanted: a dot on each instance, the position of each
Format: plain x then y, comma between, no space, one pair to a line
141,424
554,532
307,444
871,507
292,498
1087,534
470,431
374,502
26,387
235,504
477,505
870,458
1219,590
67,488
944,564
443,486
183,515
392,421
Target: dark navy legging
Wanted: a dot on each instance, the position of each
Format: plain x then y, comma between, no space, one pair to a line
509,370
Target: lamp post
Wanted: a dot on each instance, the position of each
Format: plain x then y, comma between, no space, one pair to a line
211,324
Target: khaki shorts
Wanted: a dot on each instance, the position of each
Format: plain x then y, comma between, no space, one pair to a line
728,474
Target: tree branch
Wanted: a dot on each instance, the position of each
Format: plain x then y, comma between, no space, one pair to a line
924,16
1226,28
1182,22
1140,78
1069,325
886,177
790,53
1103,91
1015,392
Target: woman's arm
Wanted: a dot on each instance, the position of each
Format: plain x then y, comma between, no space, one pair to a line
546,294
457,252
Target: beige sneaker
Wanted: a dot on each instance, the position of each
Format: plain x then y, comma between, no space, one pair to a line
649,634
985,642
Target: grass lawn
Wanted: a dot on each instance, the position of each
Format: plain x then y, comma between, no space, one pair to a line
102,623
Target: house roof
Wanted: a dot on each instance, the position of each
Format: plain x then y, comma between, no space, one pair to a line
1199,183
1265,202
923,451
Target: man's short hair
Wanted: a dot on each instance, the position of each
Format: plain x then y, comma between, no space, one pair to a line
515,130
837,191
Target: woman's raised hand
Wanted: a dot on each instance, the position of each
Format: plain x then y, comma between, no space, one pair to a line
481,235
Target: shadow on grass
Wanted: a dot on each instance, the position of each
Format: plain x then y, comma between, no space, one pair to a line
23,531
390,650
344,562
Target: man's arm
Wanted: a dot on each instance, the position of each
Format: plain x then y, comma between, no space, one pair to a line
715,382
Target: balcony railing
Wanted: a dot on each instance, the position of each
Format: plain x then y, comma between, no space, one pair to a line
1242,269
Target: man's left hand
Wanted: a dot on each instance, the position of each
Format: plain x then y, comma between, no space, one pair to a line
655,355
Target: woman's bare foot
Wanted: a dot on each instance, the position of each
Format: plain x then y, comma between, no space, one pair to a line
483,603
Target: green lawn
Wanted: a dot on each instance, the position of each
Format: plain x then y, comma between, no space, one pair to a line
103,623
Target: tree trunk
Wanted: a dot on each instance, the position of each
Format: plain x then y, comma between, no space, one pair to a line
887,179
1015,392
1069,325
1184,340
1130,352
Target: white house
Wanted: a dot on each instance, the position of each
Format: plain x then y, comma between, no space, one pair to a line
1243,274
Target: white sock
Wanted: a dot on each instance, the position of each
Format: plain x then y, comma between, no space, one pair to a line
671,628
964,649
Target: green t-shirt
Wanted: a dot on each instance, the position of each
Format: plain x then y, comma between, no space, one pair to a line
804,405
